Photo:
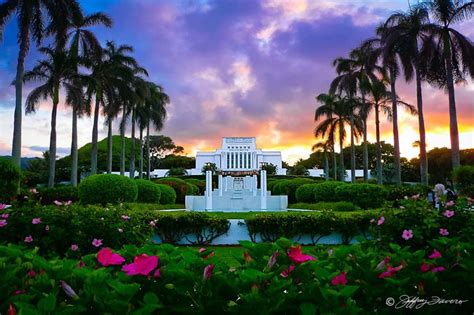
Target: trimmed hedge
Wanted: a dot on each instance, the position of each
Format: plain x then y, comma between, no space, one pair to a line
148,191
201,184
289,187
168,195
107,188
464,178
305,193
364,195
60,193
327,191
181,187
323,205
9,180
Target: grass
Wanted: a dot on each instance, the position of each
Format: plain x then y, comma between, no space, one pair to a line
152,206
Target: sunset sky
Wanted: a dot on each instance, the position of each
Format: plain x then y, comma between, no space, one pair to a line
238,68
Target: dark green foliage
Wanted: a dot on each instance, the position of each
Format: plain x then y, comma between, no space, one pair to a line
148,191
181,187
336,206
305,193
107,188
464,178
201,184
168,195
270,168
327,191
363,195
9,180
288,187
399,192
60,193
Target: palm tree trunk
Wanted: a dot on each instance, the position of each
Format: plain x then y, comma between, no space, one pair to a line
396,137
148,165
20,69
334,161
378,149
52,139
422,132
74,153
122,143
352,151
453,120
132,149
342,172
326,165
366,149
109,147
140,160
95,132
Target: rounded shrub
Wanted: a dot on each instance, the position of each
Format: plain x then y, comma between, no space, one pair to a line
107,188
168,195
326,191
181,187
335,206
201,184
59,193
364,195
399,192
148,191
289,187
305,193
10,180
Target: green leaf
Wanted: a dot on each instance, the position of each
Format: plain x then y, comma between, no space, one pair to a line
308,309
126,290
349,290
151,298
48,303
246,244
283,242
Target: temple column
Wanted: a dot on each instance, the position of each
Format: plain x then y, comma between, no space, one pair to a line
254,185
208,190
226,180
263,189
220,184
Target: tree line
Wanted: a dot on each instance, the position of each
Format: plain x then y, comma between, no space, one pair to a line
419,45
90,77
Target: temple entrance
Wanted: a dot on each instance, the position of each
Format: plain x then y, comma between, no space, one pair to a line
238,183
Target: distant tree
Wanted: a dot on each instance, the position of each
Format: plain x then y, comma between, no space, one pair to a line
209,167
160,146
175,161
178,171
299,169
270,168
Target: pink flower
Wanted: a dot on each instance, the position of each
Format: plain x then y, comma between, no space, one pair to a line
120,230
36,221
247,257
448,213
74,247
381,221
339,279
125,217
142,265
383,263
46,228
273,259
3,223
285,273
296,256
208,272
28,239
33,191
107,258
437,269
67,289
4,216
450,203
435,254
202,249
2,206
68,203
390,272
407,234
57,203
443,232
415,197
152,223
157,273
425,267
97,242
31,274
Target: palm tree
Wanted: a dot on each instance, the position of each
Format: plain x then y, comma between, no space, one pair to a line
403,44
327,102
354,76
84,44
454,57
334,125
381,99
57,71
32,16
325,146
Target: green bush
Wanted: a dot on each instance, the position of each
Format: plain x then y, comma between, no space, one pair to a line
326,191
288,187
168,195
305,193
107,188
399,192
60,193
363,195
10,180
181,187
148,191
201,184
464,178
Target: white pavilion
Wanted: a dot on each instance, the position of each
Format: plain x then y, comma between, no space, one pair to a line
238,162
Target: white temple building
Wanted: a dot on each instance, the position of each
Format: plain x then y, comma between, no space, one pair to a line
239,154
238,162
